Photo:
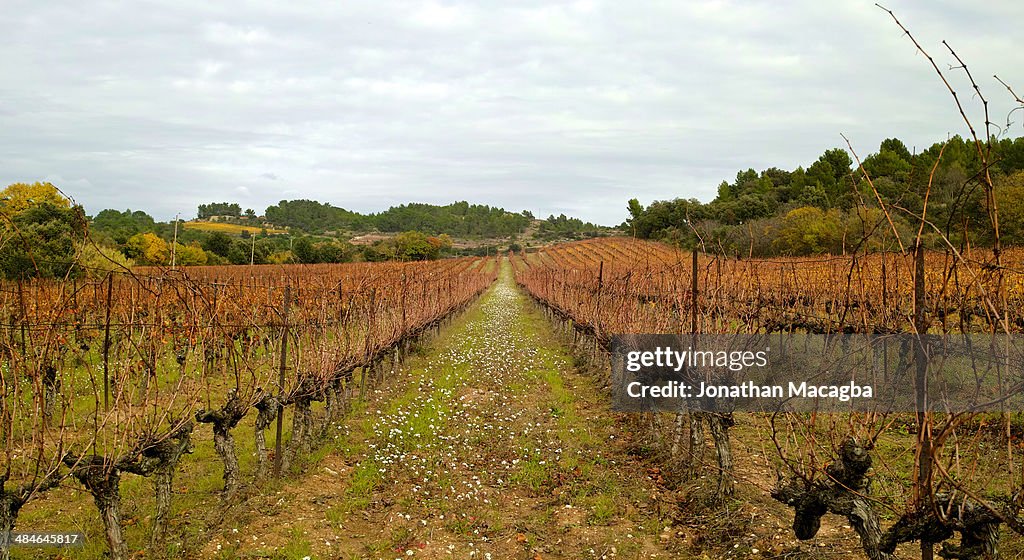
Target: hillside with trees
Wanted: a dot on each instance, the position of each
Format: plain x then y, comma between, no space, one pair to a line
832,204
562,226
44,234
311,216
219,209
457,219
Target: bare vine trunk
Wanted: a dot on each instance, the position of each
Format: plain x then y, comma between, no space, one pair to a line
163,482
168,454
696,458
267,407
305,392
330,408
224,420
224,443
719,424
9,506
51,386
845,492
11,502
302,420
677,434
103,481
109,504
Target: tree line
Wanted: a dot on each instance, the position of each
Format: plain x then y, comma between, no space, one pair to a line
42,234
834,203
457,219
567,227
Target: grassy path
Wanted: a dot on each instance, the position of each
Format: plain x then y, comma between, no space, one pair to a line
487,446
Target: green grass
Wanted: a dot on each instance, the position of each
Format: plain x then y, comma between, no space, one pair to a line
427,424
603,510
532,474
297,547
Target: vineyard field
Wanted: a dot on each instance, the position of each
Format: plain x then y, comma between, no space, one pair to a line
925,486
461,406
113,376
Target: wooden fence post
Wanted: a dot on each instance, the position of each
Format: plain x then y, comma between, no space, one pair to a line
693,292
924,438
278,451
106,344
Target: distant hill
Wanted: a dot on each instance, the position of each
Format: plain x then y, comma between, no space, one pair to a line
315,217
308,231
459,219
831,207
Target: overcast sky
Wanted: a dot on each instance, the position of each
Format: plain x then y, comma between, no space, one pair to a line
548,106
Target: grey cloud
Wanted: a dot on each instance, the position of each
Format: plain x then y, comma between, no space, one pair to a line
554,107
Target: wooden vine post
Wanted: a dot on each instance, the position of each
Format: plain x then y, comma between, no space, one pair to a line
106,344
696,417
24,317
693,295
405,284
278,451
924,437
600,286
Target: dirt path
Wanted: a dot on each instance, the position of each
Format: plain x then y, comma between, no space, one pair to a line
488,446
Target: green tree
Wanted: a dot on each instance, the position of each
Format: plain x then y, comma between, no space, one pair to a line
189,255
219,209
832,173
895,146
809,230
41,239
334,252
636,212
304,251
18,197
313,217
218,243
96,261
119,226
242,252
148,249
415,246
888,164
1010,203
